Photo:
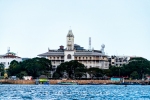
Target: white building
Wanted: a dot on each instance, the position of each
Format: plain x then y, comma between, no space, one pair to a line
8,57
27,77
118,60
90,58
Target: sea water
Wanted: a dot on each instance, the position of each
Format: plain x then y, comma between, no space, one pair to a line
74,92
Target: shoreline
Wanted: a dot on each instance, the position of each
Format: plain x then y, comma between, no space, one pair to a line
82,82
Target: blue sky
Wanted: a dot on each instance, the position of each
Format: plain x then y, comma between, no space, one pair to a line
29,27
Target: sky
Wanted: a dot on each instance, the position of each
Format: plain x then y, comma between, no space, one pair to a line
30,27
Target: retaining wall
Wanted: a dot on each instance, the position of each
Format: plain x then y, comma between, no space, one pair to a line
5,81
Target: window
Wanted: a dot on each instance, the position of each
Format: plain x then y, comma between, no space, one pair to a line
62,57
68,56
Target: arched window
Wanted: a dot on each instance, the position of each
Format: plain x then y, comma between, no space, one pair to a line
68,56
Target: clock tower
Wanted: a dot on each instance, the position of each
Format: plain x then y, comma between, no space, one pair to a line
70,40
69,52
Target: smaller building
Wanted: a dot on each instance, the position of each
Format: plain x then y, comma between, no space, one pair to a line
8,57
116,79
148,78
27,77
118,60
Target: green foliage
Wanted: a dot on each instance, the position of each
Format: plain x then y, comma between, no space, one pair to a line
14,68
140,65
21,74
56,75
73,68
107,72
32,67
136,68
2,69
115,71
134,75
95,72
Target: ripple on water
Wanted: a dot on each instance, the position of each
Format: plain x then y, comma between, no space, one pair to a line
74,92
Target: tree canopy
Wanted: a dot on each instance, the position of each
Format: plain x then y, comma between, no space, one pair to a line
139,65
32,67
73,69
2,69
136,68
95,72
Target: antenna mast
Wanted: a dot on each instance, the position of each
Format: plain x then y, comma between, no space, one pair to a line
8,49
90,43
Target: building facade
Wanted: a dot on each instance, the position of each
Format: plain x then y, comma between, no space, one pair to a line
118,61
8,57
90,58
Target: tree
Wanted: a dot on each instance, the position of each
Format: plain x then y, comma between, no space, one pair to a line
14,68
140,65
21,74
134,75
107,72
47,66
1,69
73,68
95,72
33,67
56,75
115,71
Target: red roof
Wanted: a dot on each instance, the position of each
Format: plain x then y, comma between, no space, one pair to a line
10,56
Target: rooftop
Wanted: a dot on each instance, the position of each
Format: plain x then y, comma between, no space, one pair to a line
70,34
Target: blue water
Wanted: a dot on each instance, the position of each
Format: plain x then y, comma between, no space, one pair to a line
74,92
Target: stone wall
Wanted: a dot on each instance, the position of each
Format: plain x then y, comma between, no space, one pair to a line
94,81
57,81
83,81
17,81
